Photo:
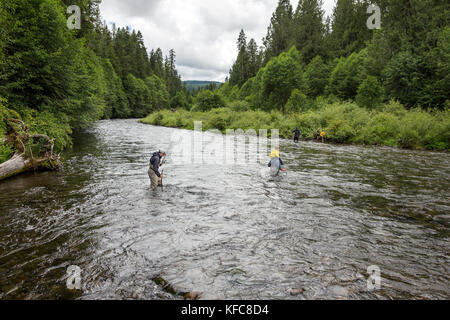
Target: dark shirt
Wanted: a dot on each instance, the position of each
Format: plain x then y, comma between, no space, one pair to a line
155,162
297,133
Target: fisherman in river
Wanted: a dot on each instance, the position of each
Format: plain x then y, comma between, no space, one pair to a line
276,164
317,135
153,172
296,134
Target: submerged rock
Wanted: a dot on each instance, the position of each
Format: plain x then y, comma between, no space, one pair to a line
296,292
167,287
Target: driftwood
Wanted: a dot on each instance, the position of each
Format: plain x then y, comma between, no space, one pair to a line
24,160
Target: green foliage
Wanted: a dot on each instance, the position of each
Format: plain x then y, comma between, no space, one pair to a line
409,58
403,79
5,114
282,75
436,89
298,102
347,76
349,31
317,74
389,125
59,79
160,94
56,126
370,93
309,29
139,96
239,105
207,100
179,101
280,32
5,153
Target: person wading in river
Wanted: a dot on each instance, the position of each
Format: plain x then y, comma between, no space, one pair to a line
153,172
297,134
275,163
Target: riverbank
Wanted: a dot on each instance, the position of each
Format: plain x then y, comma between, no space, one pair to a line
22,148
389,125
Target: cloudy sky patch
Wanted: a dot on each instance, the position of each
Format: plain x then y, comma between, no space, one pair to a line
203,33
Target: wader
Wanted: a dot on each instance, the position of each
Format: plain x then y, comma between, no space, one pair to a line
154,179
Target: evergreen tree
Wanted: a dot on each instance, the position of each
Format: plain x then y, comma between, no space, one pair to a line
280,32
254,59
309,29
240,70
349,27
317,75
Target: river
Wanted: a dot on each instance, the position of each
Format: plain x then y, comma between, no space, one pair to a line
227,231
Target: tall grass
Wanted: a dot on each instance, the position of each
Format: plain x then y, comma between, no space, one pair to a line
389,125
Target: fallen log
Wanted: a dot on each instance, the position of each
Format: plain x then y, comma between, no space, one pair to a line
19,164
24,160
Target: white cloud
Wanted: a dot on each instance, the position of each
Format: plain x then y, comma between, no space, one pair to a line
203,33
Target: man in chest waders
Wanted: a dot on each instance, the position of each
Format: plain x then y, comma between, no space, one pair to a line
276,164
296,135
153,172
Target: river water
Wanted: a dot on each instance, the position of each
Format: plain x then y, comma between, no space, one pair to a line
227,231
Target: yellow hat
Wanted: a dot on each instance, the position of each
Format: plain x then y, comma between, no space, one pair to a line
275,154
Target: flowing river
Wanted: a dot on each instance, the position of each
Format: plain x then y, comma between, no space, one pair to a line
227,231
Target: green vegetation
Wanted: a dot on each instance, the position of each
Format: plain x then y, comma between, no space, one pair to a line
389,124
58,80
406,60
377,87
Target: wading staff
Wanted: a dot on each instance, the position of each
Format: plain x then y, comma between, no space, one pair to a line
163,161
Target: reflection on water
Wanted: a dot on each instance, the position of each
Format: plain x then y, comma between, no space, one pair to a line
227,231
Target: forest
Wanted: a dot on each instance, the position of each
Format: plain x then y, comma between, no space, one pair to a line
57,80
387,86
316,72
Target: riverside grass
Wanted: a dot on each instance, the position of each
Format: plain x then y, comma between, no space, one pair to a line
343,122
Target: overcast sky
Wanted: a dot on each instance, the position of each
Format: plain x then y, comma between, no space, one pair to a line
203,33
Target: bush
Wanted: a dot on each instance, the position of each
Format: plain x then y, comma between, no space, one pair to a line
5,153
281,76
56,127
239,105
339,131
370,93
297,102
207,100
317,75
179,101
389,125
347,76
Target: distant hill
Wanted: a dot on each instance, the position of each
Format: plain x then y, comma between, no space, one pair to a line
197,84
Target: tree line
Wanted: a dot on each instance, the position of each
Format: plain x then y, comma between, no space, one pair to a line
305,56
58,80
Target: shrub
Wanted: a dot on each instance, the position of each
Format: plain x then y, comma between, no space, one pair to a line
339,131
389,125
5,153
239,105
207,100
347,76
297,102
370,93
